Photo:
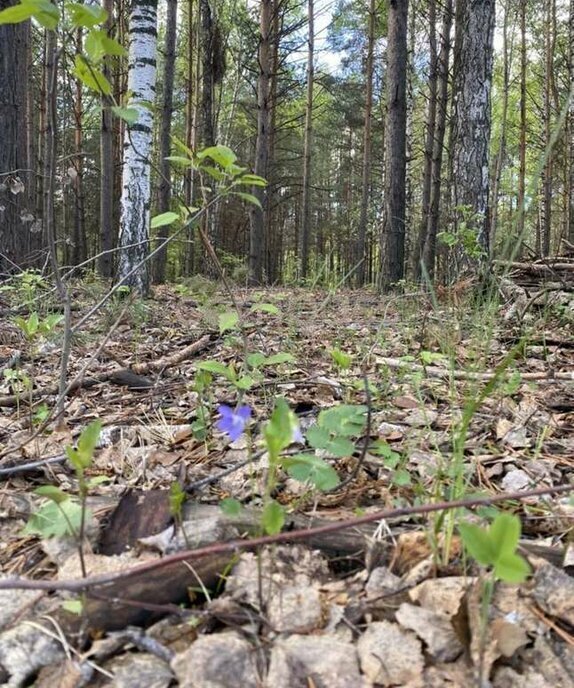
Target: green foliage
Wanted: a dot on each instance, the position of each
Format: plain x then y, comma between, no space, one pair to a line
33,326
341,359
273,517
231,506
495,547
307,468
59,516
81,457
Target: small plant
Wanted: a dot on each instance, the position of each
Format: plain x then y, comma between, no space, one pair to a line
63,514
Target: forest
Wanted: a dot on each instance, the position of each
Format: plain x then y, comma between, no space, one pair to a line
286,343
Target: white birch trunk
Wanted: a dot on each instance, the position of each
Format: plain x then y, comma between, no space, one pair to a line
136,188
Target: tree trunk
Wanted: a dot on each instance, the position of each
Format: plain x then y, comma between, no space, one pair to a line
429,139
307,148
429,249
472,122
80,249
393,236
522,143
361,254
164,195
14,175
107,172
571,123
506,64
257,242
136,195
547,172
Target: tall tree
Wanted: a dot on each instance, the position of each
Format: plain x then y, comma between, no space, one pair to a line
136,193
545,221
366,171
429,249
429,134
393,235
107,172
257,228
522,143
164,191
14,176
506,65
571,122
308,145
472,123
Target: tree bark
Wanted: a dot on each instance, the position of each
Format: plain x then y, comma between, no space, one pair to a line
15,177
164,195
361,253
472,123
136,191
257,243
522,142
393,235
307,147
107,172
429,249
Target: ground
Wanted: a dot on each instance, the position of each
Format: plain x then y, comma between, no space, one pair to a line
455,399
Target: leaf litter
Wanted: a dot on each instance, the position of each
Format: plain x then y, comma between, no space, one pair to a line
390,605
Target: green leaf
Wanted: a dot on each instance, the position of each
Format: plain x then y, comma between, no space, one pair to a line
86,16
73,606
250,198
177,497
273,517
318,437
278,358
222,155
252,180
341,359
52,493
231,506
245,382
340,447
279,430
504,533
180,160
511,568
45,13
215,367
256,359
312,469
81,457
213,172
98,480
344,419
91,76
401,478
265,308
55,520
129,115
164,219
227,321
478,543
17,13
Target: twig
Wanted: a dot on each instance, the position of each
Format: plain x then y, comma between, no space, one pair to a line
435,371
234,546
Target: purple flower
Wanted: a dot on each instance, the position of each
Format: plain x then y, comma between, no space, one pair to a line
298,435
233,421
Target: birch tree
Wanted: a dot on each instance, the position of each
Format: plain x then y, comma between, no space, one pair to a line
136,194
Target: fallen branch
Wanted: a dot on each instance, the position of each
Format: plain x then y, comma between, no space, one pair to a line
131,377
436,371
235,546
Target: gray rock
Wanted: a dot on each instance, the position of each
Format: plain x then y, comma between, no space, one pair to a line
25,649
137,670
390,656
321,661
295,609
224,660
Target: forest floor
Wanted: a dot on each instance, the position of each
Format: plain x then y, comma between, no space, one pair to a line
455,401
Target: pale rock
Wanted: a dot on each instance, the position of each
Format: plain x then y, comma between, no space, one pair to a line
434,628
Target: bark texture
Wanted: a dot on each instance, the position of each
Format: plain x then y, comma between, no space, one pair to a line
257,243
14,180
473,83
393,236
136,193
308,146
